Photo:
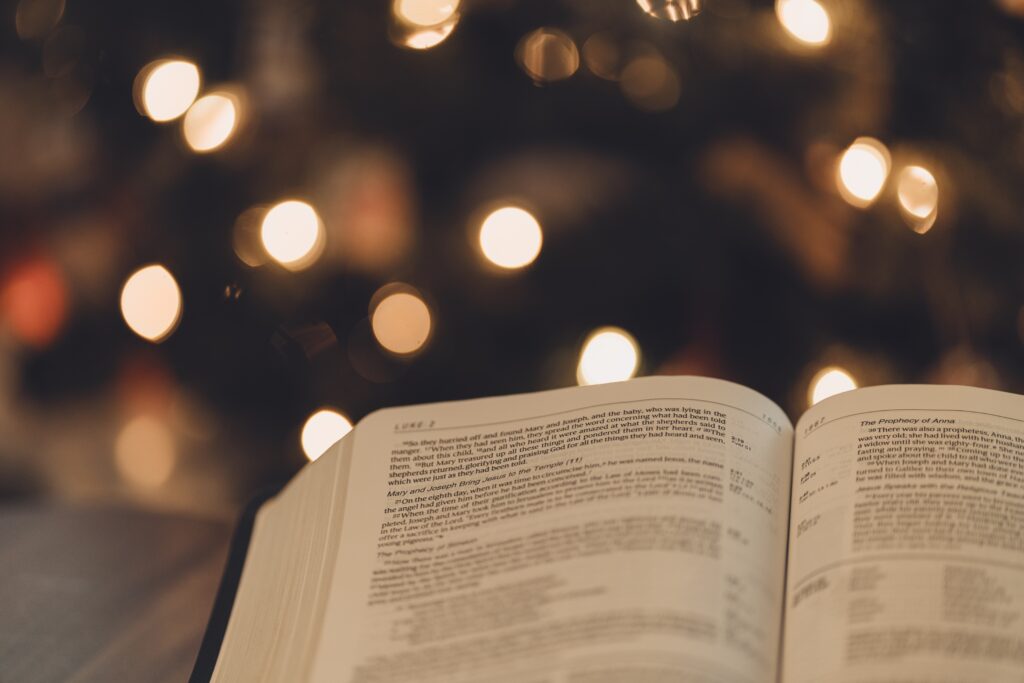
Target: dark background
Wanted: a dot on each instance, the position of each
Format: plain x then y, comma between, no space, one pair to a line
707,224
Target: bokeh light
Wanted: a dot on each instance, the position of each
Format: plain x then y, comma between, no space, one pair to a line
151,302
602,56
806,21
36,18
1012,7
245,237
322,430
293,234
610,354
650,82
166,88
548,54
144,452
672,10
425,13
400,319
862,171
426,38
510,237
34,301
423,24
830,381
918,195
211,121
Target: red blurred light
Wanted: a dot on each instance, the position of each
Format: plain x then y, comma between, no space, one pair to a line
33,301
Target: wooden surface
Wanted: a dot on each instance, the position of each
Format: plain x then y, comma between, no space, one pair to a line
104,594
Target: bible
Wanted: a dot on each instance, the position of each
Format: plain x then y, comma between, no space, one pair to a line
658,530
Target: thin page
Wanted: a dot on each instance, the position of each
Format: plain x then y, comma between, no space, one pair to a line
907,538
633,531
284,581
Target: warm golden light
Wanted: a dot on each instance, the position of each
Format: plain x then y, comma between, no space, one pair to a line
400,319
151,302
862,171
510,237
425,13
425,38
322,430
168,88
144,452
918,194
211,121
672,10
917,190
293,234
829,382
548,54
610,354
805,20
650,83
245,238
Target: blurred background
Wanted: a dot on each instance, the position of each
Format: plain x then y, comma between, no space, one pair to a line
227,230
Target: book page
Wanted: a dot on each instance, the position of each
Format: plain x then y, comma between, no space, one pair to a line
633,531
907,538
285,579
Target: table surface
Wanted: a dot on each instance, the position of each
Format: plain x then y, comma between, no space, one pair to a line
104,594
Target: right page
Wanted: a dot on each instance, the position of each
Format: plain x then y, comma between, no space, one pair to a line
906,551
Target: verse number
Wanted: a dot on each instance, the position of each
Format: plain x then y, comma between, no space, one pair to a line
738,482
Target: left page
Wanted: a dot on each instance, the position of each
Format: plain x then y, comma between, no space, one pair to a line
287,571
633,531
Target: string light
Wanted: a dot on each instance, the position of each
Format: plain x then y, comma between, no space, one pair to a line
601,56
610,354
425,13
34,301
166,88
211,121
293,234
322,430
511,238
650,82
424,39
806,21
423,24
400,319
672,10
151,302
829,382
862,171
144,452
548,54
918,195
245,238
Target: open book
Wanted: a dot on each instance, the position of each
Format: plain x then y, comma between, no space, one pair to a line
658,530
